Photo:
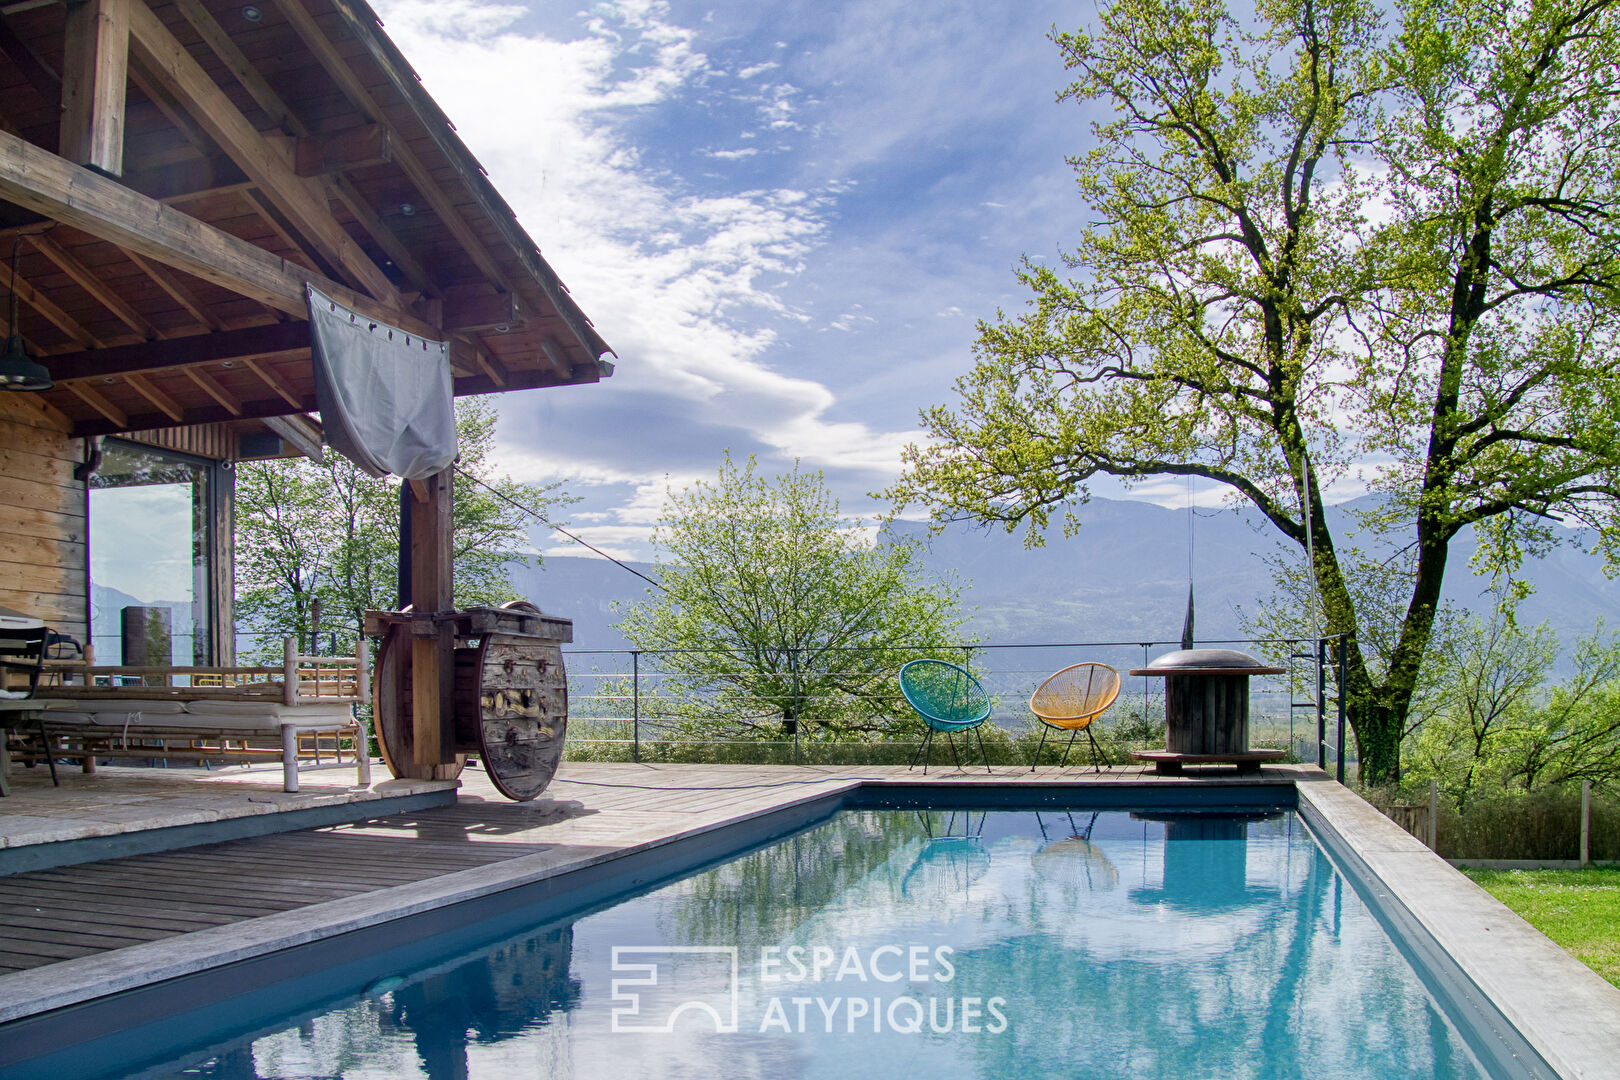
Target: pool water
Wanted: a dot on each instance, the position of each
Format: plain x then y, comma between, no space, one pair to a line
894,943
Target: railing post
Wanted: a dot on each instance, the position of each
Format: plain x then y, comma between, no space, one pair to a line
793,666
1586,824
635,705
1344,673
1320,653
1321,716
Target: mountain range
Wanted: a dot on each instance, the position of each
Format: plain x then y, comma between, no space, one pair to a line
1122,577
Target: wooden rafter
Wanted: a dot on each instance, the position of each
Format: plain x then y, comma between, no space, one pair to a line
491,367
47,184
275,382
168,62
93,398
176,289
166,404
59,318
558,357
342,73
210,386
94,285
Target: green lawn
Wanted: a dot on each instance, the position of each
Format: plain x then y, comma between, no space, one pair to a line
1579,909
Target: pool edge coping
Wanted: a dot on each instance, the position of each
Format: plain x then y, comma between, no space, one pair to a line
1567,1012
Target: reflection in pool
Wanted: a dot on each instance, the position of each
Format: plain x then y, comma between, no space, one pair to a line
892,943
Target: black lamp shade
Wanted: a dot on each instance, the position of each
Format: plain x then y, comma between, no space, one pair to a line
17,371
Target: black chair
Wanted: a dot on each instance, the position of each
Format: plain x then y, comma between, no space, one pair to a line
24,651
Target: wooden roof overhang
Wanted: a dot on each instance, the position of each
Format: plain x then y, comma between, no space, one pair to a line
178,171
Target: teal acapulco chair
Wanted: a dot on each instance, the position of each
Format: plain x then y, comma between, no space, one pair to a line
948,699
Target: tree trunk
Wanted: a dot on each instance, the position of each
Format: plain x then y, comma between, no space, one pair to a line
1379,727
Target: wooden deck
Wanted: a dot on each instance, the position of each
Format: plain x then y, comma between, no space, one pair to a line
79,931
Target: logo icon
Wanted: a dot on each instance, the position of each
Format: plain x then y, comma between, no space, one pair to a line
663,983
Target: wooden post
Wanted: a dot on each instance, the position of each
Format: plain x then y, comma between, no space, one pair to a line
432,649
95,76
289,671
1586,823
1434,815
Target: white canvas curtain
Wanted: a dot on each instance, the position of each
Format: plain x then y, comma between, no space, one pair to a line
385,395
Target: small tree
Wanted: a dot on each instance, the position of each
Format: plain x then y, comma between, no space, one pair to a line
778,609
331,532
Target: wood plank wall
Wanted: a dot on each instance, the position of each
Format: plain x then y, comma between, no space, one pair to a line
214,441
44,568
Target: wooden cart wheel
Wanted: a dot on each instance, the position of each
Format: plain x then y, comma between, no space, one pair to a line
521,710
391,711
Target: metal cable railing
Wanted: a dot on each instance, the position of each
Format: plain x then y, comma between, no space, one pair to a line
628,700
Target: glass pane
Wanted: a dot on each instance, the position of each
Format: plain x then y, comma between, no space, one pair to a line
149,556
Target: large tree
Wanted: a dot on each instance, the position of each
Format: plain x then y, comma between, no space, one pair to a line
775,608
1324,250
331,532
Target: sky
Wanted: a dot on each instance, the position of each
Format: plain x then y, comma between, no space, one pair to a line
785,216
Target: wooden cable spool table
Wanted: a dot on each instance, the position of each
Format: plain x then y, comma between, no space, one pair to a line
511,693
1206,710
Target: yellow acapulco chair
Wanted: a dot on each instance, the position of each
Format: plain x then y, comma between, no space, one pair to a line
1071,700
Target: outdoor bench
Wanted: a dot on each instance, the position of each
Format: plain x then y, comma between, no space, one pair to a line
212,713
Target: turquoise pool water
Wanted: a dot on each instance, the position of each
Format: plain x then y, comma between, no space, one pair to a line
892,943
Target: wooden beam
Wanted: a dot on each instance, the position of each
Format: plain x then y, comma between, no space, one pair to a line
92,397
176,289
481,311
276,339
433,657
166,404
168,61
348,80
94,285
47,184
46,307
301,432
210,386
95,75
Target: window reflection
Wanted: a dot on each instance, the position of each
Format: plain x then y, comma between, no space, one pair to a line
149,557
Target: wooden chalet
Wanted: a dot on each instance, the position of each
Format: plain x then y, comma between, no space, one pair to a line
174,174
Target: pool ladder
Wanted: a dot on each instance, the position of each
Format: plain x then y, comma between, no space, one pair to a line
1319,659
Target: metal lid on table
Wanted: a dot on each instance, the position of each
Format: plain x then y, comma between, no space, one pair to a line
1207,662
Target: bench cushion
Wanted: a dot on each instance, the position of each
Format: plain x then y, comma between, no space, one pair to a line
118,705
272,712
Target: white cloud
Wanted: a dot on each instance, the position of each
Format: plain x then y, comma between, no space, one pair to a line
685,286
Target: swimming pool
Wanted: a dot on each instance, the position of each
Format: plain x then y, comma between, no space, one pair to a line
882,942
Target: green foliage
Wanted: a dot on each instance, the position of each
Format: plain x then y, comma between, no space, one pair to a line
331,532
1495,725
778,609
1579,909
1324,251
